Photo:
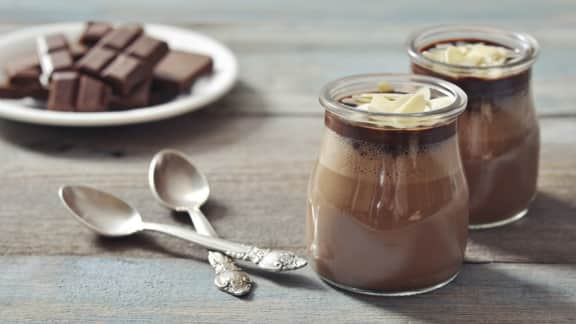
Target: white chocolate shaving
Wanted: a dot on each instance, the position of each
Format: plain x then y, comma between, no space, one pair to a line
470,54
385,87
399,103
414,104
441,102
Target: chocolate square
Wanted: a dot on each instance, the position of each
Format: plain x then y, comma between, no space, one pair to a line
121,37
63,88
124,73
177,70
139,97
93,32
148,49
78,50
93,95
52,43
56,61
96,60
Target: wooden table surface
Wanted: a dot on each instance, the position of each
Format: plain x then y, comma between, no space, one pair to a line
257,147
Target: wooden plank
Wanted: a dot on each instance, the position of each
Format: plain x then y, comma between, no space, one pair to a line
258,168
85,289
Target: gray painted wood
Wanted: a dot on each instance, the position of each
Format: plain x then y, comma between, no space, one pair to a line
85,289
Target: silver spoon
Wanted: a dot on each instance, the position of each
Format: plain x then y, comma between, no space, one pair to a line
178,185
111,216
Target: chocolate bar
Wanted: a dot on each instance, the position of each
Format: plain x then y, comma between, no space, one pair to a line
123,58
94,32
121,37
63,89
54,55
120,68
178,69
71,91
93,95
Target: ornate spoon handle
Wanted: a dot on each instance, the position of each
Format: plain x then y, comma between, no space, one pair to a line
266,259
229,277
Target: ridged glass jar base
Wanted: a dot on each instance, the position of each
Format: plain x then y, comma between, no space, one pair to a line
385,293
499,223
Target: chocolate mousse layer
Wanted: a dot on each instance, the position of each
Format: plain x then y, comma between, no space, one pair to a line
478,87
392,139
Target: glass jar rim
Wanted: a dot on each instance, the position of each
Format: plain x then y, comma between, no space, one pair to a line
531,52
329,101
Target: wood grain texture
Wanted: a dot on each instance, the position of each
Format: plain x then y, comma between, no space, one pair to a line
175,290
258,168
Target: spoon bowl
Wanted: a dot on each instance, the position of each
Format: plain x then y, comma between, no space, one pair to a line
100,211
176,182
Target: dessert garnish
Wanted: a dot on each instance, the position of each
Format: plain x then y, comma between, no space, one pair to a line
470,54
386,100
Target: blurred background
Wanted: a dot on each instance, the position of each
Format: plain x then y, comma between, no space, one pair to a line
330,39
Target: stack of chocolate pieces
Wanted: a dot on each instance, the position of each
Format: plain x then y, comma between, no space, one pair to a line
109,68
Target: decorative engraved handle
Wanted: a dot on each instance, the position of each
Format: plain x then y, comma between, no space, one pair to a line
229,277
271,260
266,259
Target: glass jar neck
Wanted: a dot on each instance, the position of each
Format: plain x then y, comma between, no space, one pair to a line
335,91
393,139
524,45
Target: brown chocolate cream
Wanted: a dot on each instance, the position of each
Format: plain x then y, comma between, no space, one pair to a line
387,207
498,132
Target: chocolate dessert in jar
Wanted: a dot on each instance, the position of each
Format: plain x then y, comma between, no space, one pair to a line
387,200
498,132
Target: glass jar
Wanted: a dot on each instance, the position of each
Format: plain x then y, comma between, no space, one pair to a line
499,133
388,206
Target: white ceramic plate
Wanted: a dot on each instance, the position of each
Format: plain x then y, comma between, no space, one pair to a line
204,91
